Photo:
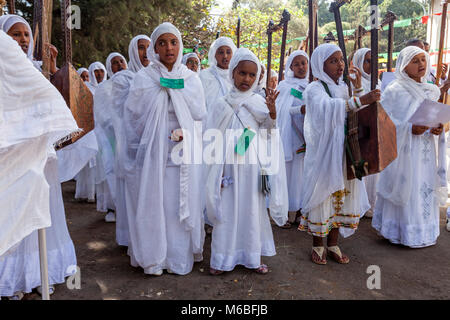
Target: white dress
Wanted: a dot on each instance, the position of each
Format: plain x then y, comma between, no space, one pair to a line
407,207
242,231
329,199
20,267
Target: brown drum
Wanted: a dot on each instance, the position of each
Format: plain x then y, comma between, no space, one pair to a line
377,139
77,96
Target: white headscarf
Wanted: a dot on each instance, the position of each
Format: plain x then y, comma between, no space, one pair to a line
358,61
318,58
290,74
81,70
421,90
219,73
235,96
135,63
6,23
186,57
96,66
108,62
219,42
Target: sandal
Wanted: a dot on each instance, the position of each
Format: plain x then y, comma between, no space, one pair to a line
336,254
287,225
263,269
319,255
214,272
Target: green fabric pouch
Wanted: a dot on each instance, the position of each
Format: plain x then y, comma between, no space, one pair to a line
244,141
297,94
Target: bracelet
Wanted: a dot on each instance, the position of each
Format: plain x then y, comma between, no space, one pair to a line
358,90
357,102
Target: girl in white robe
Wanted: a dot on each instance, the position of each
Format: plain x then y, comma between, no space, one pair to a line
33,116
331,204
361,61
410,188
236,204
121,83
93,82
215,79
290,121
88,178
104,129
166,229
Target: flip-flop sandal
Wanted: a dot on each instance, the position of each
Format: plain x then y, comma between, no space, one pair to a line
322,258
215,272
287,225
263,269
336,254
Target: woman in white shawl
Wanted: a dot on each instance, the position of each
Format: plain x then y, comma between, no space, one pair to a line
84,74
33,116
330,203
215,79
97,74
165,99
290,121
137,51
412,186
104,130
19,29
236,203
362,62
120,86
192,61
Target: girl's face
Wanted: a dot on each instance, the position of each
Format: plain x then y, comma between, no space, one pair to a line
118,64
99,75
167,47
85,76
19,32
300,67
334,66
244,75
192,64
367,63
417,67
143,45
223,57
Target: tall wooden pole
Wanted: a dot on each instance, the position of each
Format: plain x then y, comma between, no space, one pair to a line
11,7
269,51
284,20
238,32
441,42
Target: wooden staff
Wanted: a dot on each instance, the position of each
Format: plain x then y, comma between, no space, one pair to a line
238,32
285,17
312,32
11,7
46,35
441,42
389,19
334,7
360,33
374,45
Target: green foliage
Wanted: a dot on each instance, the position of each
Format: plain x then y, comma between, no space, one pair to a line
255,16
109,25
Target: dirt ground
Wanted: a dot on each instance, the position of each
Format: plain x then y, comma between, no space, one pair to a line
106,273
